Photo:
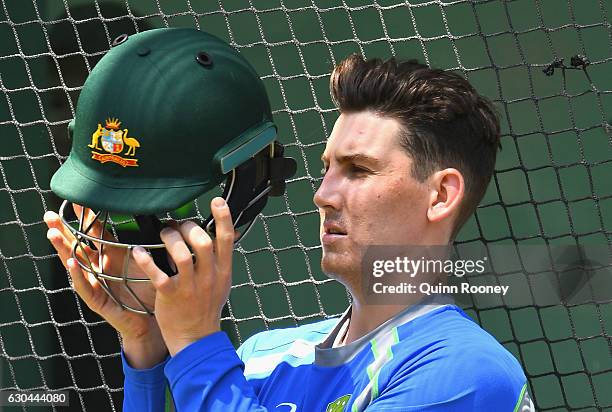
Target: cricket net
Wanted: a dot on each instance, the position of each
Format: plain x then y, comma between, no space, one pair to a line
546,64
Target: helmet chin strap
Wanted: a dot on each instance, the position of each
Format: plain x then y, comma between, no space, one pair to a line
246,194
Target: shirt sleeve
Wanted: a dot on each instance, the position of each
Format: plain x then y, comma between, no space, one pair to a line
208,376
144,389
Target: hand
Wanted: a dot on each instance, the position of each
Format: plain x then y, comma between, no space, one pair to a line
142,341
188,305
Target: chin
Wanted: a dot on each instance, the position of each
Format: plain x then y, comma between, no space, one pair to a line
339,267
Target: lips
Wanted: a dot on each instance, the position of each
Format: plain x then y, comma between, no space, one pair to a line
331,228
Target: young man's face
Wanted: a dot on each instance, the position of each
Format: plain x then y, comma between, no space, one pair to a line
368,195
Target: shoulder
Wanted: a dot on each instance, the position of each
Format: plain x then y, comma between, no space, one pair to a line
263,352
459,359
450,330
271,340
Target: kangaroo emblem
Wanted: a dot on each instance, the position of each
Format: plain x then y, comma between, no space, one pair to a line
95,138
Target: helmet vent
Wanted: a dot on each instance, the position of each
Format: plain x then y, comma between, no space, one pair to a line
119,39
143,52
204,59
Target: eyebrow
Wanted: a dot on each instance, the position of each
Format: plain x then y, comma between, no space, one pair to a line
353,157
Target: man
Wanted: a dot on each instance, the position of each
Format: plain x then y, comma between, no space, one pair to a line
407,162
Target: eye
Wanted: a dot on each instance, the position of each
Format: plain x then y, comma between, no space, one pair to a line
323,170
359,170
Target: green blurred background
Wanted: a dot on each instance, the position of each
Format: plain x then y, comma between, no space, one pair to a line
552,182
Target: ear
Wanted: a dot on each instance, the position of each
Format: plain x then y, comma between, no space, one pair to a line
447,190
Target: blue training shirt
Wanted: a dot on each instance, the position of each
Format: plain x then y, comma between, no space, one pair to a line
429,357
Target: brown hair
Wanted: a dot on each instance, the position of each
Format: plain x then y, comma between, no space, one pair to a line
446,122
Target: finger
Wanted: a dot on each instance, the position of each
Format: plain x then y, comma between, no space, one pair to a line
161,282
59,243
63,240
224,241
97,230
81,284
178,251
53,220
85,216
64,246
92,224
201,244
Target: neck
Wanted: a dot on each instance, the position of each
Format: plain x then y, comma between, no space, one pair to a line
365,318
366,315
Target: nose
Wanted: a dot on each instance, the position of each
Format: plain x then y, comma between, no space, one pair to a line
329,195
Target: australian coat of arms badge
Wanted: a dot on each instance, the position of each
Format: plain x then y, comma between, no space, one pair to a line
113,141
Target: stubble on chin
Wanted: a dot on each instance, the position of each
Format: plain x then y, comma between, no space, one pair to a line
344,269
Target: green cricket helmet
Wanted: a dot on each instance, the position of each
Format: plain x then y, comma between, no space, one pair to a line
165,116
